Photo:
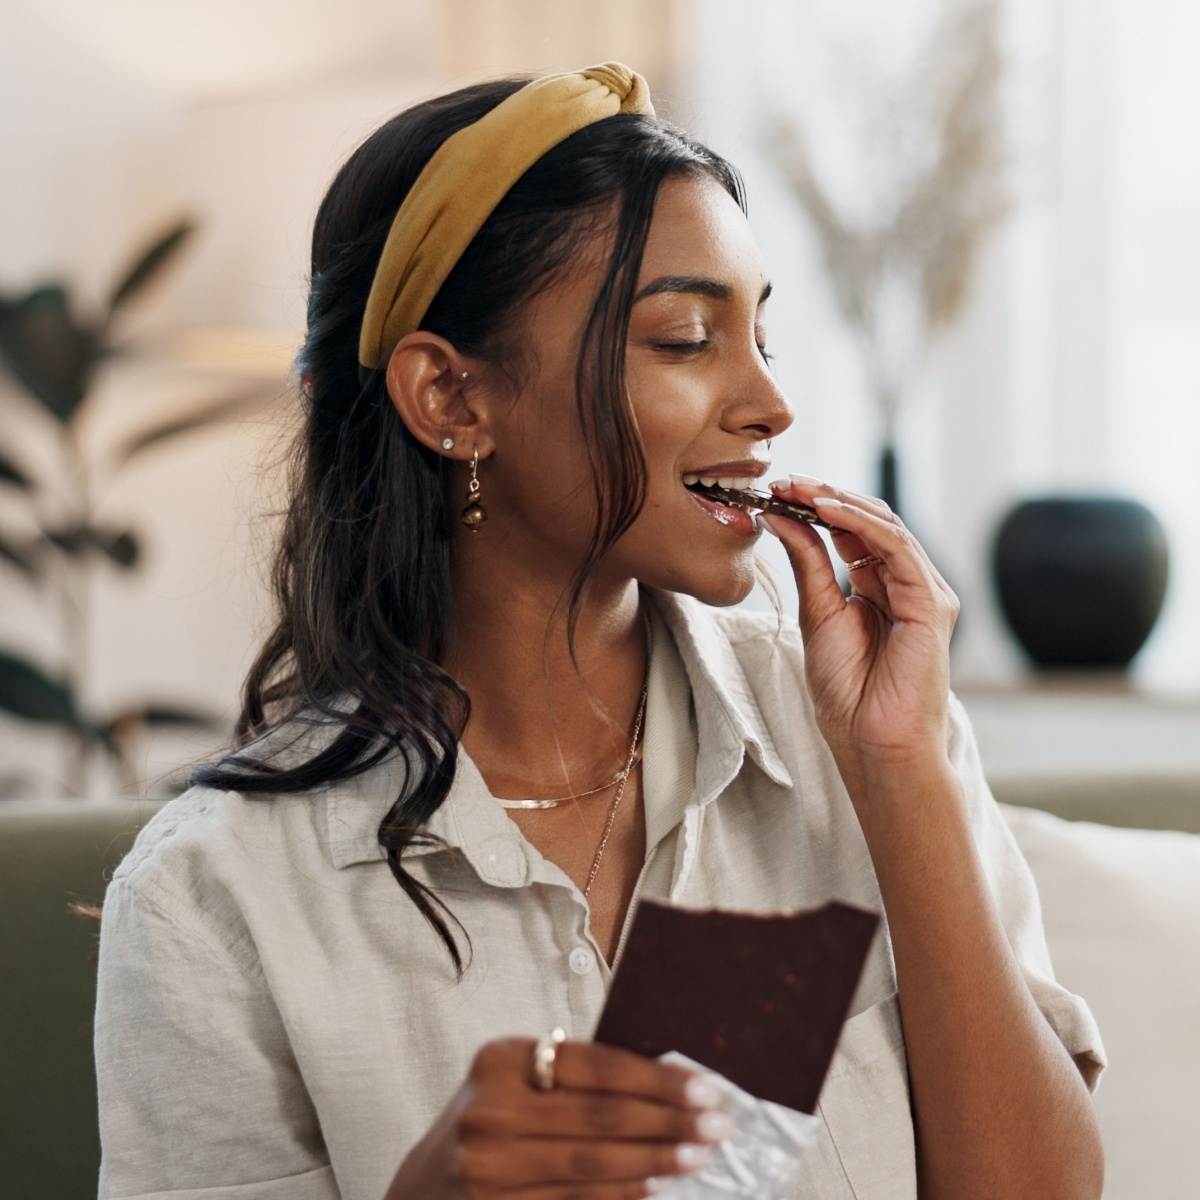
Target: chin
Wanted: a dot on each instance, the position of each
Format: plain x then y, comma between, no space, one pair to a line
720,585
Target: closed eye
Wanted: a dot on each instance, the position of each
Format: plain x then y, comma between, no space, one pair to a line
683,347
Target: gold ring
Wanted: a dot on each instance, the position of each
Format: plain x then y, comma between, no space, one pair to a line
868,560
544,1054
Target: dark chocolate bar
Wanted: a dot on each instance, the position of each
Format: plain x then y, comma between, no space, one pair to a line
758,999
751,500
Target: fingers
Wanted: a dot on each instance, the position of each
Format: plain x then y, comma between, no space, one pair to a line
820,596
573,1191
868,504
904,561
613,1120
867,527
601,1115
591,1067
524,1162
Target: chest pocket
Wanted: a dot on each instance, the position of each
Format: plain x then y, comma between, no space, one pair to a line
865,1150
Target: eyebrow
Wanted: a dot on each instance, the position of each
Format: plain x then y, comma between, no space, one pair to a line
697,285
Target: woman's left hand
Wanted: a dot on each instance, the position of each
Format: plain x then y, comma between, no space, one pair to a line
877,661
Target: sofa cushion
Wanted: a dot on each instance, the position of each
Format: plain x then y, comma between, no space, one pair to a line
1138,801
1122,915
50,855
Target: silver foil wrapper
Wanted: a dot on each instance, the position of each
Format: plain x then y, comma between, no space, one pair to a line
760,1161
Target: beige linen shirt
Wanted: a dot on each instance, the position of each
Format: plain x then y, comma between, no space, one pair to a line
275,1020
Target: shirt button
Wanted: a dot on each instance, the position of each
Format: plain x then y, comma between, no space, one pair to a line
582,960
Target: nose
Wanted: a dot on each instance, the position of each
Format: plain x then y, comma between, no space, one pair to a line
759,408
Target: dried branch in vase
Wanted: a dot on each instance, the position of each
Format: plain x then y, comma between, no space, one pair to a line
902,273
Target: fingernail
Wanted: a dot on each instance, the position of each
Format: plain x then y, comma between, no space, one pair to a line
780,485
703,1093
690,1156
654,1186
715,1126
808,481
826,502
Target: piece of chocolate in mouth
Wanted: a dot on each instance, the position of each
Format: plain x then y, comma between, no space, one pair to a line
760,999
752,501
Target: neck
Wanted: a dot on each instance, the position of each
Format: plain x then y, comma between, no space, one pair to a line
542,723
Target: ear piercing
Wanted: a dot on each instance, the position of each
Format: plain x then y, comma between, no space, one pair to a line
448,442
474,514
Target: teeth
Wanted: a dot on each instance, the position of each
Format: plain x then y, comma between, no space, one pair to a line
734,483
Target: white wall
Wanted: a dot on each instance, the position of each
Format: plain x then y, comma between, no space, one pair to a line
1075,364
183,627
121,117
69,127
99,160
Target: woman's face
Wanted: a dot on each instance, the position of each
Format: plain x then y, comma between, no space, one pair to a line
702,393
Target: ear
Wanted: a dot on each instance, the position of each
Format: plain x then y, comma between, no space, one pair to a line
439,394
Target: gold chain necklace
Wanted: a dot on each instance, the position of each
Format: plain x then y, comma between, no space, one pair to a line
528,802
637,734
619,779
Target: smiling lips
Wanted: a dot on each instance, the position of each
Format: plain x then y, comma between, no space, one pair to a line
738,493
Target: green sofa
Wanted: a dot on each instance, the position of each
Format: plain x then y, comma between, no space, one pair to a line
54,853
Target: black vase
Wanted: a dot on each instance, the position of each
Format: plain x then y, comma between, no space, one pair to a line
1081,580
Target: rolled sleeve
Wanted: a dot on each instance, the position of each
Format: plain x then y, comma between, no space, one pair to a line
199,1094
1015,893
312,1185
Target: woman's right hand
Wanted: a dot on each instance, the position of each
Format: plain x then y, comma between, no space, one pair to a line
614,1121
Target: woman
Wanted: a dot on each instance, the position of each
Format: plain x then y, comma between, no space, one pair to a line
536,320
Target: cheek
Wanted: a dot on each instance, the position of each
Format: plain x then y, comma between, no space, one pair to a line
671,445
671,417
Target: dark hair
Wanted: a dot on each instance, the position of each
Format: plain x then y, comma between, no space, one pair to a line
362,577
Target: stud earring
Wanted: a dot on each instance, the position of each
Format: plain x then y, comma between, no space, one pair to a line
474,514
447,443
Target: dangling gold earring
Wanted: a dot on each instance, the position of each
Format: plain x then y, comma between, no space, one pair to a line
474,514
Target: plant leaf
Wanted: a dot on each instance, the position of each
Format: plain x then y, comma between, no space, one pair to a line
148,264
198,419
122,548
74,539
19,559
27,692
47,350
12,474
112,731
165,714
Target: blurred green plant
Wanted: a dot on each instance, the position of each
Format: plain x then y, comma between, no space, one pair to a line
55,353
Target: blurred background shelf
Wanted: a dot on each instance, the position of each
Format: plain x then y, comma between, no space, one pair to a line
1097,748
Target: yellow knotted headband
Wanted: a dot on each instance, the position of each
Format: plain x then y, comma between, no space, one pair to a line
467,177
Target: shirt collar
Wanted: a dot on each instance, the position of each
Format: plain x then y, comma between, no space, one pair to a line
729,723
468,821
